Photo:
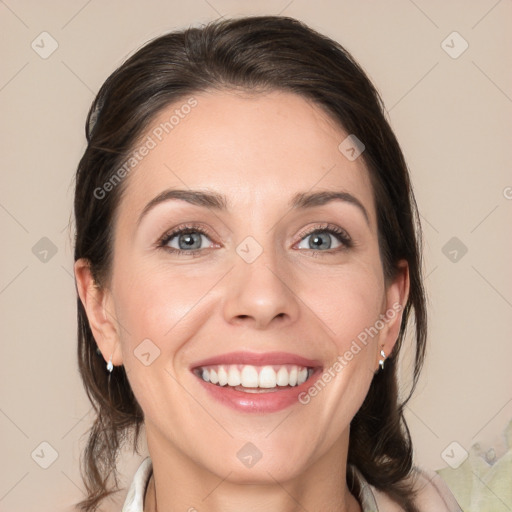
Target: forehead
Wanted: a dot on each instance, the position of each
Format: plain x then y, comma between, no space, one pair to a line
256,149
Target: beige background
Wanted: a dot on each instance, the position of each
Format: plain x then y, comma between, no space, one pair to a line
451,115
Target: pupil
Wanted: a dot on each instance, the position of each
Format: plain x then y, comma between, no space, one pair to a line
189,240
318,238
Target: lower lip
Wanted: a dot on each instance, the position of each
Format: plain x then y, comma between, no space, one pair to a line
271,401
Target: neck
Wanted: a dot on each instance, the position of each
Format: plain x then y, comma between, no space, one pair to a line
349,504
178,484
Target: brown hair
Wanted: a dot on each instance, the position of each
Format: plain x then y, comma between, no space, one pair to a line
260,53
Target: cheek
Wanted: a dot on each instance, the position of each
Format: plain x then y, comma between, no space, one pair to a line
160,305
154,312
348,305
346,302
149,297
168,306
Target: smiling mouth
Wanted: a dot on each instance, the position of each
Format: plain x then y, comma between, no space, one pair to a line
255,379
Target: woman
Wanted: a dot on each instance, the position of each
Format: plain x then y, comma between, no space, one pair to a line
261,364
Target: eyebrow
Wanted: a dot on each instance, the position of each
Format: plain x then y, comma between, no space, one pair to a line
219,202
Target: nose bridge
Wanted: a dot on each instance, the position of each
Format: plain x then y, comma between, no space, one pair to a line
259,287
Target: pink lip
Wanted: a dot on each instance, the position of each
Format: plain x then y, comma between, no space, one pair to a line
266,402
256,359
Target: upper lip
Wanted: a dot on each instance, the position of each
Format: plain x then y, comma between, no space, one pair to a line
257,359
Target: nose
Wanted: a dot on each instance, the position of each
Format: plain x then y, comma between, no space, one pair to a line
261,293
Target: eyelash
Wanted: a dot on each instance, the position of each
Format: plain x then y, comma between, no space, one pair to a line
339,233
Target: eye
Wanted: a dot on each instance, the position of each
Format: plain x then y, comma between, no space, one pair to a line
320,237
185,240
189,239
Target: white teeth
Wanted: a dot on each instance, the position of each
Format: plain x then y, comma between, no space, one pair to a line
248,376
223,376
293,377
302,377
213,376
267,377
282,377
233,376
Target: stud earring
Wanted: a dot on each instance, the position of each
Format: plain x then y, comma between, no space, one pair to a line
383,358
110,366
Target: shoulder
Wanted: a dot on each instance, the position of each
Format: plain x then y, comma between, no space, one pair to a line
432,494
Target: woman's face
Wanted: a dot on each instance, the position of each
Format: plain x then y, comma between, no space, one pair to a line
249,278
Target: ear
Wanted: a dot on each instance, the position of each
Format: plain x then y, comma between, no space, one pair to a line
397,294
97,302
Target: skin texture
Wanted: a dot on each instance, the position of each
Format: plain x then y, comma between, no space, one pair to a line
258,150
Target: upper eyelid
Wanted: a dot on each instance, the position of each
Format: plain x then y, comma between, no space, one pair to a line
324,227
